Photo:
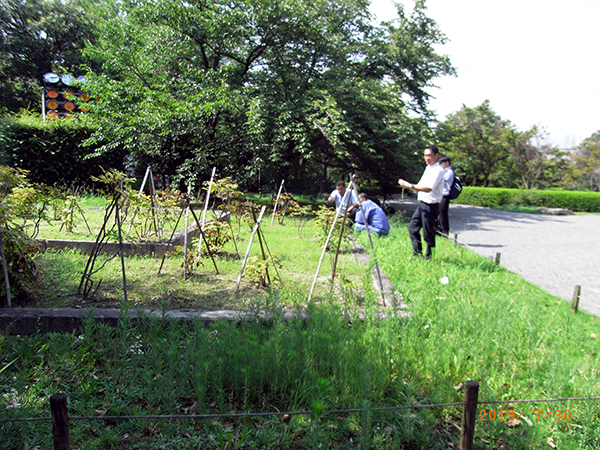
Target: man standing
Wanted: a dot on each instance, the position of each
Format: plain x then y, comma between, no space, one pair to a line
374,215
443,221
340,197
429,190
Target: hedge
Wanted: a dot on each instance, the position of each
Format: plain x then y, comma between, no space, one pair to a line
579,201
52,152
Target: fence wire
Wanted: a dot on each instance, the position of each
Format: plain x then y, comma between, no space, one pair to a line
300,413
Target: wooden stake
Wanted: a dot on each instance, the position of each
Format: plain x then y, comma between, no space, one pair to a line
497,260
469,415
60,421
576,295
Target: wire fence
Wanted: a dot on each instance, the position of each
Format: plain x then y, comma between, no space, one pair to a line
60,417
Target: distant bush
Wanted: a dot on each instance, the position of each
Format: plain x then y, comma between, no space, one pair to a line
52,152
580,201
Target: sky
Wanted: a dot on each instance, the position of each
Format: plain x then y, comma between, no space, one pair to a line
536,61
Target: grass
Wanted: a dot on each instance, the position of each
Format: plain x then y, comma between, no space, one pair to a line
204,288
518,208
486,324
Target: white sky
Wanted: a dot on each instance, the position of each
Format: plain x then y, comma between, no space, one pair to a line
537,61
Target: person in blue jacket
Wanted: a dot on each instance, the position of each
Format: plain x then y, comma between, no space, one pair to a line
376,219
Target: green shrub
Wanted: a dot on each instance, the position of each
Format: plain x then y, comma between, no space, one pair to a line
52,152
580,201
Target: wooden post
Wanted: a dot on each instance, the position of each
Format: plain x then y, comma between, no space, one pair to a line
455,238
497,260
576,296
60,421
469,415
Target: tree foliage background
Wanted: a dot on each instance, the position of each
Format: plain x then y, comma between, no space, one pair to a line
264,90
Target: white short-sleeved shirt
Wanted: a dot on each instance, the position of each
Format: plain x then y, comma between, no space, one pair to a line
433,178
341,205
448,180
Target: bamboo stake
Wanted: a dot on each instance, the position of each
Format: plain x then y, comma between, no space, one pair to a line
204,239
157,224
312,288
139,195
337,250
206,206
262,249
185,241
362,211
256,225
171,238
121,247
277,201
5,269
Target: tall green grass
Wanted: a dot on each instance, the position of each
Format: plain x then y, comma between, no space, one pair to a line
292,243
487,324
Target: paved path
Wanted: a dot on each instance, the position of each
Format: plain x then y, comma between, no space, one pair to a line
555,252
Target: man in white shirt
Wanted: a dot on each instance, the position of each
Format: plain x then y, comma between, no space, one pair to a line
340,197
429,190
443,221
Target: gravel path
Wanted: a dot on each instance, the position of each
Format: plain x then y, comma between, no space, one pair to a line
555,252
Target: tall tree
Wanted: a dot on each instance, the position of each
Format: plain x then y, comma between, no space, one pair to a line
584,170
478,139
270,87
36,37
534,159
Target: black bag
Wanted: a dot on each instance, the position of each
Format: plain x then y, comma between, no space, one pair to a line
456,188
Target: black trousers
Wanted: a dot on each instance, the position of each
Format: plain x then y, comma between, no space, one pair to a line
424,217
443,221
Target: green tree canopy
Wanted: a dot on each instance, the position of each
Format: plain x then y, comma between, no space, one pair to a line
584,170
478,139
36,37
265,89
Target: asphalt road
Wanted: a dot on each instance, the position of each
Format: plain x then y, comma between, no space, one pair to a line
556,253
